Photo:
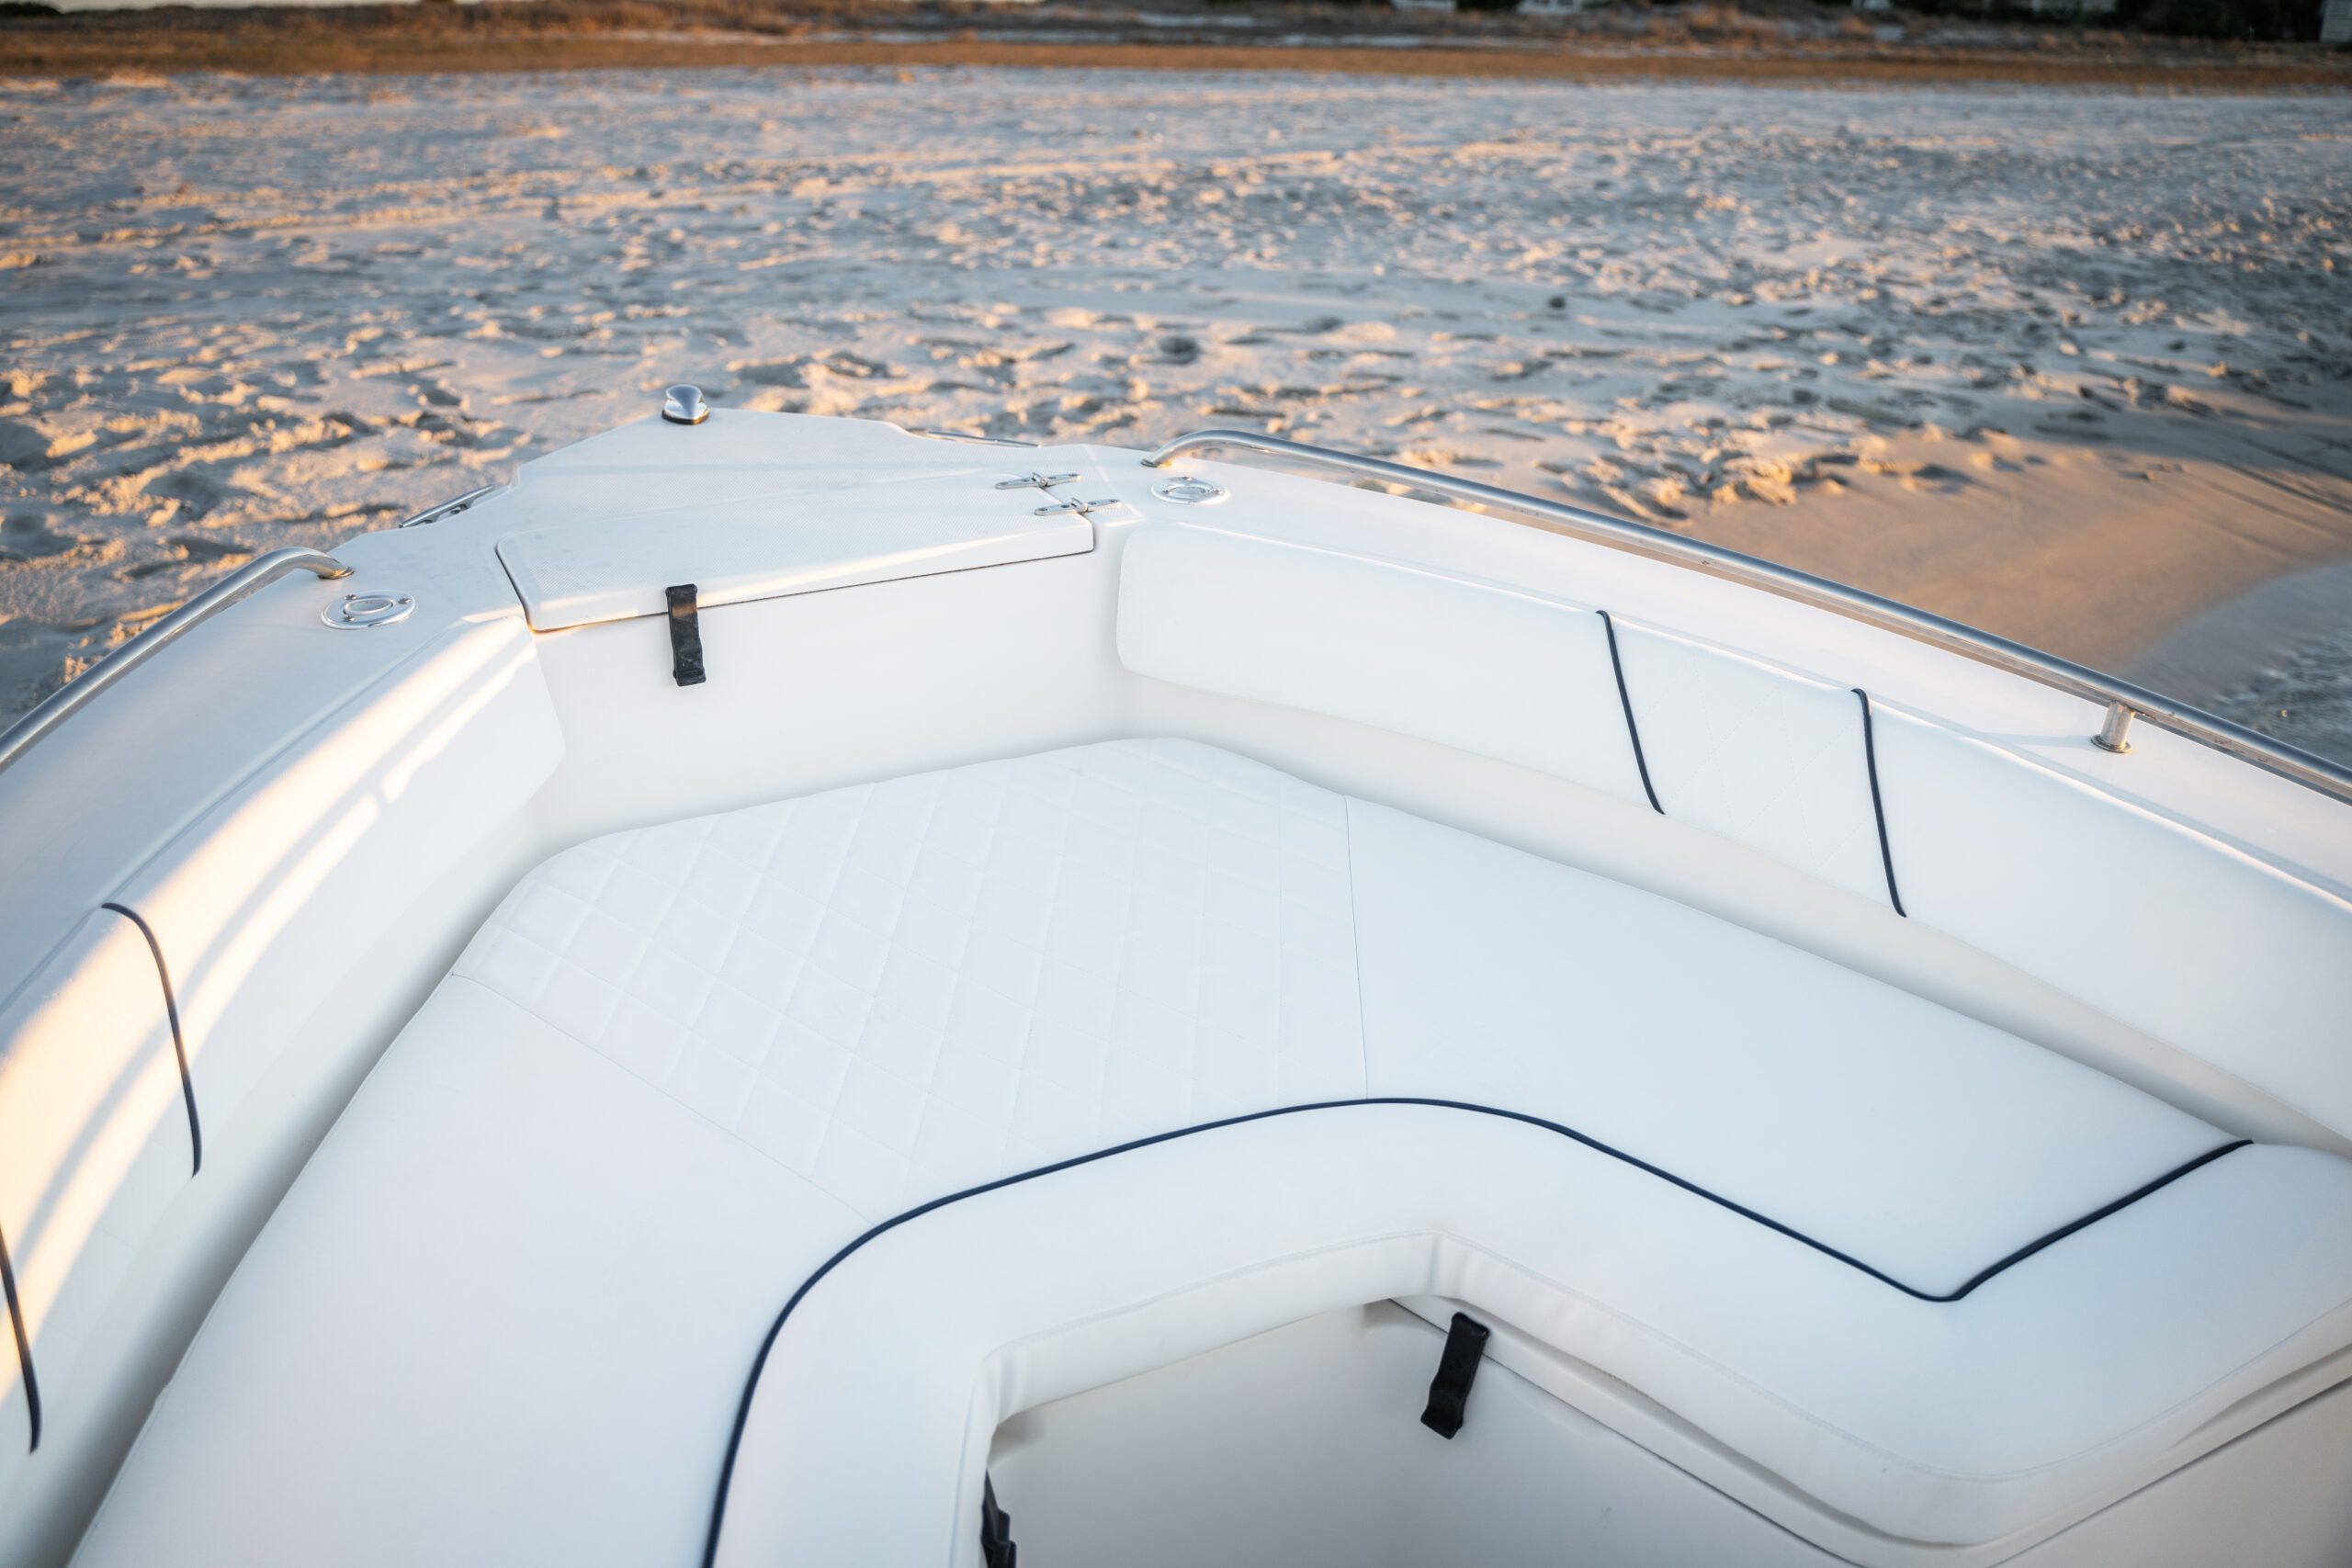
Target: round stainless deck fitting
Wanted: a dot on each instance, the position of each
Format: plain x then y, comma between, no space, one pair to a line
683,404
357,611
1190,490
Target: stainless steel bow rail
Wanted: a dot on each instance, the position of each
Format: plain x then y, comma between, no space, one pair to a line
2124,701
446,509
27,731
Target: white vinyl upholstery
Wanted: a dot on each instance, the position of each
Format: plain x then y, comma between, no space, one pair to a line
1947,1423
2086,891
2069,884
507,1311
1925,1143
1488,671
503,1318
899,989
1760,756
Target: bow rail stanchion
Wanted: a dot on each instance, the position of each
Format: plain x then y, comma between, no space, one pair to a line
27,731
2121,700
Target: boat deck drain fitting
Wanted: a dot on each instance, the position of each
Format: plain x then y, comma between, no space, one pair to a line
1190,490
360,610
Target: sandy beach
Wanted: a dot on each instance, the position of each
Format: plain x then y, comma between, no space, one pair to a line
2075,366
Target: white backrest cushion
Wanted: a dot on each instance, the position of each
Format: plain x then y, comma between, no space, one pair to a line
2170,930
94,1144
1500,674
1756,753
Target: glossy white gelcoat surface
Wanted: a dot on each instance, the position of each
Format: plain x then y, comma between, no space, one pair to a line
315,822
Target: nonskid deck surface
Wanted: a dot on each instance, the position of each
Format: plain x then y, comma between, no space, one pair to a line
510,1308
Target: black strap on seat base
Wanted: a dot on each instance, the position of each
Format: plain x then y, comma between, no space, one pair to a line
1466,1343
685,636
997,1549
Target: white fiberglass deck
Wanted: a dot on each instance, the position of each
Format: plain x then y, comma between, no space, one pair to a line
509,1310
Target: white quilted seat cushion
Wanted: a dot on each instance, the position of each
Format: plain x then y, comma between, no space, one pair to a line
502,1318
1929,1144
899,989
507,1310
902,989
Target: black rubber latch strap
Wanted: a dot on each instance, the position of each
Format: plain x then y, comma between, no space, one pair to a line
685,636
1465,1345
997,1549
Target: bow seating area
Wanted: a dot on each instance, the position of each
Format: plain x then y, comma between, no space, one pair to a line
1950,1287
824,984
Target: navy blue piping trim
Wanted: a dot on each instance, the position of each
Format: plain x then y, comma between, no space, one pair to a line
759,1362
1878,807
1625,701
24,1346
179,1048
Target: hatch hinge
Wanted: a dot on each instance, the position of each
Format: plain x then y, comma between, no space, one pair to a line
1081,508
1046,483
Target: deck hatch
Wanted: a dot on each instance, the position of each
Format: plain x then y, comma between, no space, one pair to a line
612,569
